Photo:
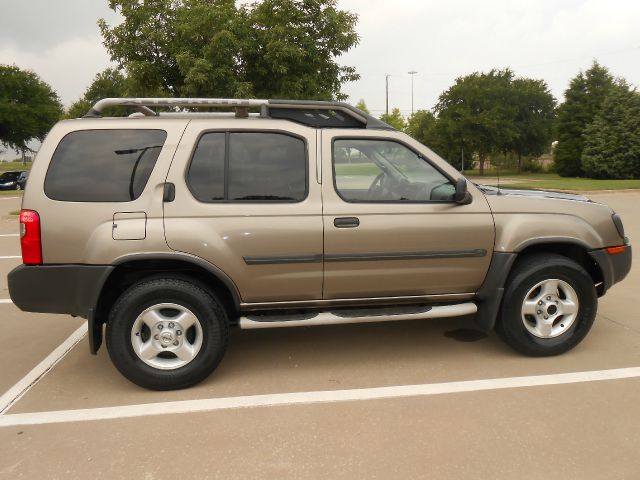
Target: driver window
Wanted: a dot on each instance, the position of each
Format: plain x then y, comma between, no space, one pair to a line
386,171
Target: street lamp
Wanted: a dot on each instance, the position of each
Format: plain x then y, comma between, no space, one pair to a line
412,73
387,91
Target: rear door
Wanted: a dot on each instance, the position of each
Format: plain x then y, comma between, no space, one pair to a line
248,201
391,225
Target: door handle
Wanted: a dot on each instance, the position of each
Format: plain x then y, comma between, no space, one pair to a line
346,222
169,193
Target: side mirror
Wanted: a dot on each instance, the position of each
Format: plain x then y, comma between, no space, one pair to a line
462,195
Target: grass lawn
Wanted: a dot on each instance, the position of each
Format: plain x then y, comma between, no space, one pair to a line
357,169
511,179
14,166
553,181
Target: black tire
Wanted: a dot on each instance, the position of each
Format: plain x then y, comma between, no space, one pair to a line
206,308
527,273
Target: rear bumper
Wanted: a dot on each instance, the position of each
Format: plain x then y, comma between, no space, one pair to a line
614,267
68,289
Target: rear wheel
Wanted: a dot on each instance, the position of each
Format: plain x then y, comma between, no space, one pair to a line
166,334
549,305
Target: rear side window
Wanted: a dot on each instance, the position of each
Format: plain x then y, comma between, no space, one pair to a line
103,165
206,173
249,166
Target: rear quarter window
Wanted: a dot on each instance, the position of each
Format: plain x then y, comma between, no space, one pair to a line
103,165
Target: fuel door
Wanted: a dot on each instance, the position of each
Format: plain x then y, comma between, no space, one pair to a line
129,226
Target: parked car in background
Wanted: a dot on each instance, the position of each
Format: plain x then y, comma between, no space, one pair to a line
22,180
9,180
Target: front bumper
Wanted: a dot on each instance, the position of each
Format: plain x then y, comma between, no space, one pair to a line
69,289
614,267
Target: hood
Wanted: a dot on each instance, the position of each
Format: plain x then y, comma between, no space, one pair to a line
489,190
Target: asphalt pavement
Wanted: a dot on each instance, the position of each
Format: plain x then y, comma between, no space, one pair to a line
333,402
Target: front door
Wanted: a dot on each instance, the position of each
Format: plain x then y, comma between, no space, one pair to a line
391,225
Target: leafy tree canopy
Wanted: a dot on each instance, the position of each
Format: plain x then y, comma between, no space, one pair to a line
215,48
475,113
362,106
612,140
28,107
535,111
420,124
583,101
493,112
395,119
106,84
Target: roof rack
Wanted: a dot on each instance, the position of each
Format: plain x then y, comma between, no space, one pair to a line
319,114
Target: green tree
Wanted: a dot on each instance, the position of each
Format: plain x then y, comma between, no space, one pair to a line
395,119
583,101
420,126
268,49
423,126
476,114
612,140
362,106
106,84
534,117
28,107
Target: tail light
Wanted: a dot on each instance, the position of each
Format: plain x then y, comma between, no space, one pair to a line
30,237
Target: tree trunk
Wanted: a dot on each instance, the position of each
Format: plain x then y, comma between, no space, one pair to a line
481,157
24,160
519,162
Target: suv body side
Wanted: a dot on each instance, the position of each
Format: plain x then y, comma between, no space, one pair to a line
271,255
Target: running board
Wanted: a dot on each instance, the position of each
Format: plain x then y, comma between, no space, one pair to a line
370,315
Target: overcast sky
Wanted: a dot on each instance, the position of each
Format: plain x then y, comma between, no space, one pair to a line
440,39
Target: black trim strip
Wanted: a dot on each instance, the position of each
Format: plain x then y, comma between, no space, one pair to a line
366,257
283,259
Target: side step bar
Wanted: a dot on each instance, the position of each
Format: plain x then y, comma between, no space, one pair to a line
370,315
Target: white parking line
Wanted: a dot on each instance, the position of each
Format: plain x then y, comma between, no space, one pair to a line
302,398
5,257
6,300
19,389
9,235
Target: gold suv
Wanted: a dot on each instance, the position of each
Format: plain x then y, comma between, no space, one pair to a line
170,228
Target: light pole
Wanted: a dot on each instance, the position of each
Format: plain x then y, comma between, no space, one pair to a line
412,73
387,91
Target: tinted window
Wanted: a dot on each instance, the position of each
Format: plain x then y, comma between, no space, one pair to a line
206,172
266,166
386,171
103,165
261,167
9,175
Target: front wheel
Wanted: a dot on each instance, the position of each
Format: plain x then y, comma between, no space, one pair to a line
166,334
549,305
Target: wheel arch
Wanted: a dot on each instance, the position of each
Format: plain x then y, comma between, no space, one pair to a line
571,248
489,295
135,268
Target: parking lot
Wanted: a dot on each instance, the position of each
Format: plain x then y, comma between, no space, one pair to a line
420,399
